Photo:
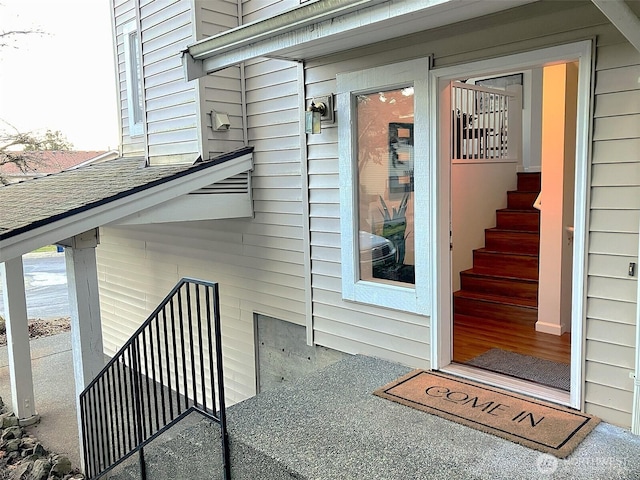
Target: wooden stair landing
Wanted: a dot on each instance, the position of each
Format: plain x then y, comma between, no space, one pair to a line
474,336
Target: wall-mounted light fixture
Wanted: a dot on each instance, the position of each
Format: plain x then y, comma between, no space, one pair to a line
220,120
313,117
319,111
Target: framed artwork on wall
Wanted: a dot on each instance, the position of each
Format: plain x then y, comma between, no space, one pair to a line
400,157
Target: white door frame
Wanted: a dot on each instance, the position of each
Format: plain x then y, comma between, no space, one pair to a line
441,320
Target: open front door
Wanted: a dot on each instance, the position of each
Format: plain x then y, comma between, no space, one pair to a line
496,234
509,198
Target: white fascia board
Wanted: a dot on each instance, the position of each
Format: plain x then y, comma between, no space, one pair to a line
295,18
315,27
194,207
313,22
623,18
110,212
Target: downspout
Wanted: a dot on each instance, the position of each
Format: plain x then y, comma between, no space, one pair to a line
143,80
306,222
199,89
116,78
635,375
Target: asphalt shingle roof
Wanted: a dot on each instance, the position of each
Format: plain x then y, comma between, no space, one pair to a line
33,203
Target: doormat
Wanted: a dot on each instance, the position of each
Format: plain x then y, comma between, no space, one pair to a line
544,372
533,423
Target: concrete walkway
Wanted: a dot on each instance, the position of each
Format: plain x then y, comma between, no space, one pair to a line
52,366
328,425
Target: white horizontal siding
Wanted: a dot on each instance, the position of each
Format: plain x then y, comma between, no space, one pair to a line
123,13
256,272
253,10
613,240
216,16
352,327
220,91
172,123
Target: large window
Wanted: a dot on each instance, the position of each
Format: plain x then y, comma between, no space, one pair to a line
384,146
384,174
133,66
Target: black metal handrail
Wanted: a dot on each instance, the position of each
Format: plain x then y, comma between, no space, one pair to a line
170,367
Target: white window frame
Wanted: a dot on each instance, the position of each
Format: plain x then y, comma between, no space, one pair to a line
136,128
411,298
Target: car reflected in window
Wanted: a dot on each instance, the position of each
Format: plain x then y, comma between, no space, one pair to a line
376,250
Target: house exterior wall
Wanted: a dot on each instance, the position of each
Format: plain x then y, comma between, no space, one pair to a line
614,195
260,262
613,232
123,13
259,9
221,91
172,128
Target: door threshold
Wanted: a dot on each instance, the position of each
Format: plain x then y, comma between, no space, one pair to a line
516,385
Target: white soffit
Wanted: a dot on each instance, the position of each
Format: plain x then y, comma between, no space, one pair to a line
623,18
324,27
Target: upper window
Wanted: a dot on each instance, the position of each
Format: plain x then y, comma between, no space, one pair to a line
384,180
133,67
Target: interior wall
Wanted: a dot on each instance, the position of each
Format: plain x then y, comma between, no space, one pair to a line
558,165
477,191
532,120
568,196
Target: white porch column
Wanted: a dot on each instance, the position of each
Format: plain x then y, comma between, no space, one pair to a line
18,349
84,304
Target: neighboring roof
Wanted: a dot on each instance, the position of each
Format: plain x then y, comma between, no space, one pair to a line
315,29
43,206
53,161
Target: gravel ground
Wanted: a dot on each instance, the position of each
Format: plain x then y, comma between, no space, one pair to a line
39,327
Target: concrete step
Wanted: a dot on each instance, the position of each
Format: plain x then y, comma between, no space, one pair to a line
329,426
192,450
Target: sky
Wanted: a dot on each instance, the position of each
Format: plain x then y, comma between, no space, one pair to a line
63,79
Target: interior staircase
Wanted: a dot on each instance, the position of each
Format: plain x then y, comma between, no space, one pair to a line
503,283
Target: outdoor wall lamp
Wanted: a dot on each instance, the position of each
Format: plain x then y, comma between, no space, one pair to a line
318,112
313,117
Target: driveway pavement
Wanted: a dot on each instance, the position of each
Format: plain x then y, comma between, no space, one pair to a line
45,278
